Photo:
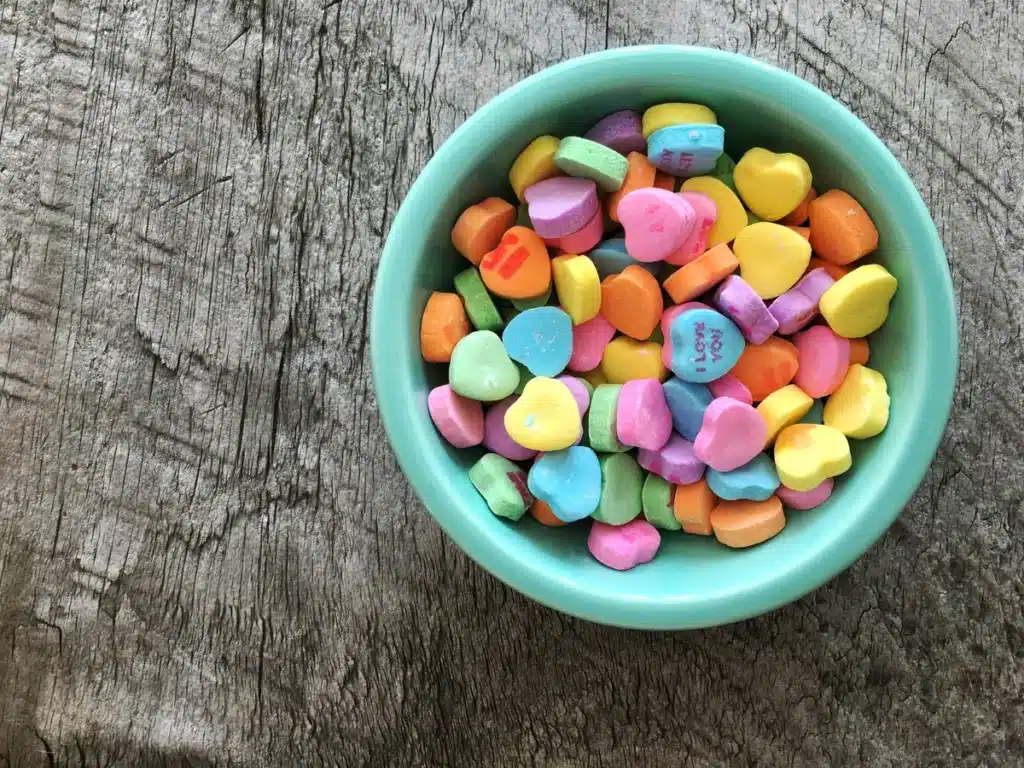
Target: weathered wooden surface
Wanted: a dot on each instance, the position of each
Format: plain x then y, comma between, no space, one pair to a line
205,554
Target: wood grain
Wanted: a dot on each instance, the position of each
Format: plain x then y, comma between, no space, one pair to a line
206,556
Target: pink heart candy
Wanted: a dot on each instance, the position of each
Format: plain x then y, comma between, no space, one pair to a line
623,546
817,496
588,342
459,419
582,240
562,205
707,214
730,386
824,359
731,434
642,417
675,461
657,223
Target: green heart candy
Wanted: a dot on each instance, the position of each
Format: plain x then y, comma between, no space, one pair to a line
621,484
657,502
480,369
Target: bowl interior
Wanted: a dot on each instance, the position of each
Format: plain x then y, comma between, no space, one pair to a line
693,581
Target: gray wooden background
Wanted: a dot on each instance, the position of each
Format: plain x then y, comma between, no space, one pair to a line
207,556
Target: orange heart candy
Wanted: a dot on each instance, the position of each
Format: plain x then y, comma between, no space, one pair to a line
519,268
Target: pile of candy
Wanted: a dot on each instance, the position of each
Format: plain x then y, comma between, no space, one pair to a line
676,380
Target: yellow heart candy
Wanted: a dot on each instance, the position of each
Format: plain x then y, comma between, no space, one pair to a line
782,408
626,359
859,302
545,417
807,454
732,217
772,185
772,257
578,286
860,407
535,163
676,113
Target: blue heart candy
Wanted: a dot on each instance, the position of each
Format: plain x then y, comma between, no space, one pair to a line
610,257
687,402
540,339
756,480
569,481
705,345
686,150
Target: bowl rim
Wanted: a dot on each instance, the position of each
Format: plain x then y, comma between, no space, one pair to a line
440,498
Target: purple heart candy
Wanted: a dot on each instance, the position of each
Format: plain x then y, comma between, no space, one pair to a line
794,309
621,131
675,461
562,205
744,307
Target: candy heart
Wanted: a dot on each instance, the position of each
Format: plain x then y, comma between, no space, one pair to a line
578,286
502,484
589,340
730,386
756,480
686,150
746,523
562,205
667,317
459,419
545,417
807,454
732,216
676,113
782,408
623,546
621,131
692,505
815,497
540,339
496,437
772,185
656,498
626,359
731,434
643,419
478,302
687,401
824,360
707,213
741,304
590,160
519,268
534,164
859,302
604,404
764,368
611,257
621,484
675,461
569,481
657,223
772,257
705,345
860,407
799,305
481,369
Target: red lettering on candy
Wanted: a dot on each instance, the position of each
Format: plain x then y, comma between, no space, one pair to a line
518,479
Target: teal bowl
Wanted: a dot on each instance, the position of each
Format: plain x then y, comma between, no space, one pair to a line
694,581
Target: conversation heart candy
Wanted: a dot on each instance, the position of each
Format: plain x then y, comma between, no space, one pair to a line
641,174
442,326
741,304
626,359
587,159
756,480
568,480
782,408
459,419
623,546
841,230
656,499
859,408
667,317
795,308
675,461
480,227
545,417
824,360
643,419
732,216
589,340
859,302
772,258
534,164
764,368
692,504
686,150
730,386
807,454
480,308
621,131
580,390
746,523
611,257
496,437
700,275
561,205
772,185
657,223
519,268
578,286
815,497
502,484
675,113
540,339
583,239
621,484
632,302
705,345
541,512
687,402
481,369
706,214
602,419
731,434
